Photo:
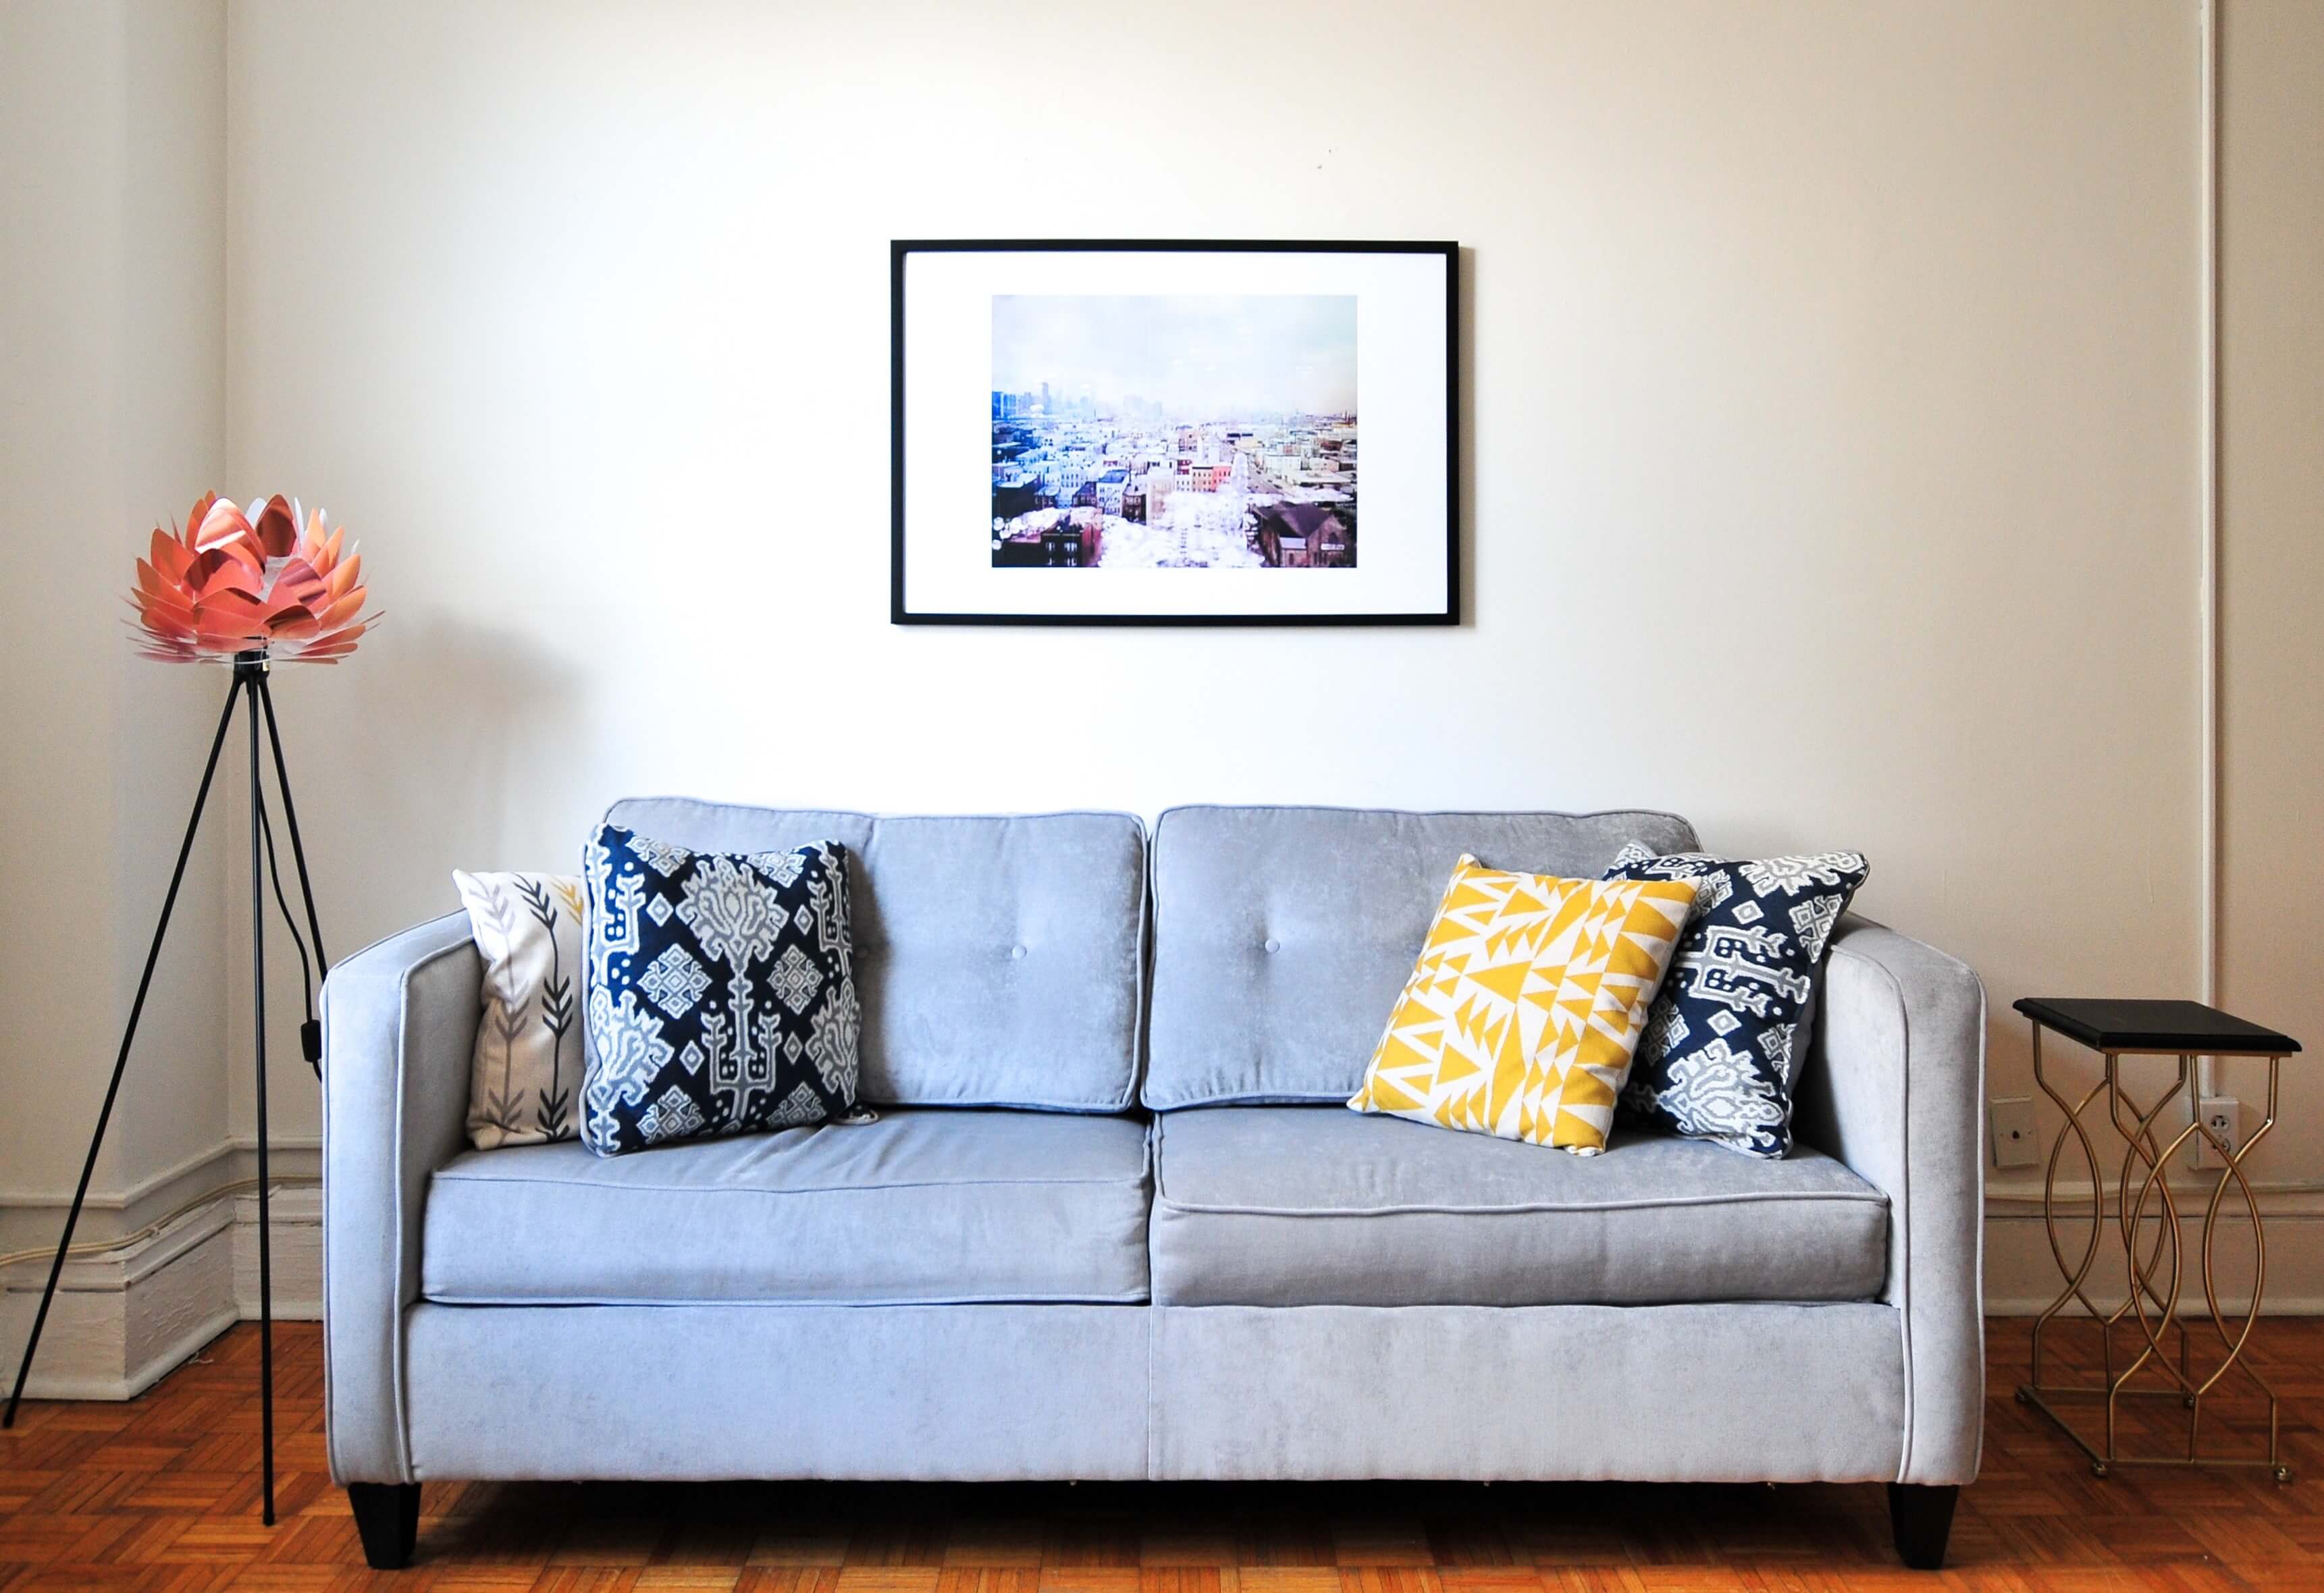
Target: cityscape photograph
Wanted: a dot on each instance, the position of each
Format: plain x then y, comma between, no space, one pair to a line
1143,431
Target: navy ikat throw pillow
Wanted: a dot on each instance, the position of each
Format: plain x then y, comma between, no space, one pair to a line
721,991
1731,1024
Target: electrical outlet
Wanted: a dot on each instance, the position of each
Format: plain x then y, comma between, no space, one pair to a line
2223,1115
2014,1143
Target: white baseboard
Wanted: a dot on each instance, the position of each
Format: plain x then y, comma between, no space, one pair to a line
122,1319
296,1226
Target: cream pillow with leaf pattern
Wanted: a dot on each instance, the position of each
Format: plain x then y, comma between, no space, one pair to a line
526,1076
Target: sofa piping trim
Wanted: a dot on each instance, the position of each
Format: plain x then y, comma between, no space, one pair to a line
713,1189
1154,1308
1977,1455
1162,1198
1904,1193
1139,1298
1147,1173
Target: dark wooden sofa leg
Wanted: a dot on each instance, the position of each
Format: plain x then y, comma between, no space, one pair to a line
1921,1518
387,1519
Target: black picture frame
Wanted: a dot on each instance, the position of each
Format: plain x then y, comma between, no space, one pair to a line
901,250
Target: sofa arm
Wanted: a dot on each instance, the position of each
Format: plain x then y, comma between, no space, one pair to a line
399,1030
1894,1091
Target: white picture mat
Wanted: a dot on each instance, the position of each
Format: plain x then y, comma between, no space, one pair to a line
1400,425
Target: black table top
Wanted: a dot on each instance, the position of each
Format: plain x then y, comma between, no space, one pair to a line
2188,1028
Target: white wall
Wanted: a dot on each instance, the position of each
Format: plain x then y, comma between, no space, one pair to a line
112,417
1863,339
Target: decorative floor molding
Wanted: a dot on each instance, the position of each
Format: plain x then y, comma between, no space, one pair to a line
31,1219
125,1317
297,1254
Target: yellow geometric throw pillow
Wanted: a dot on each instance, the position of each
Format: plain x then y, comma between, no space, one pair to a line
1525,1008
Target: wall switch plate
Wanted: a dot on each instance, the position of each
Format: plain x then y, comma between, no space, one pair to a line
2014,1140
2223,1115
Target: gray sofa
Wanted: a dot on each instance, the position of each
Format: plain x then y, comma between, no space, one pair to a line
1115,1222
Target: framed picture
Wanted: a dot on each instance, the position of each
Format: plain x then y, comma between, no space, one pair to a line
1114,432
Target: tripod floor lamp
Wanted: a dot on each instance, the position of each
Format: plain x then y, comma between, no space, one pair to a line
249,591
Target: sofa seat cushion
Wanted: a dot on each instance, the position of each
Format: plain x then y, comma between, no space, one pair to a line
925,1206
1305,1205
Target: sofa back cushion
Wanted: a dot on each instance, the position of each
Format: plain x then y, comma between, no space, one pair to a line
999,959
1282,935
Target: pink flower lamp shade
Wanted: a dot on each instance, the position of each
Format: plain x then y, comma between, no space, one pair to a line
232,584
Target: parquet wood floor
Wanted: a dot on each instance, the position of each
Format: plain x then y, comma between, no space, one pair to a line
162,1493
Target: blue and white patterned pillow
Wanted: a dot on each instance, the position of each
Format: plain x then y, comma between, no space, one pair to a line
1731,1024
721,991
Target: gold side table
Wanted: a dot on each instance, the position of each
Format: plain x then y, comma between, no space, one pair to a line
2186,1030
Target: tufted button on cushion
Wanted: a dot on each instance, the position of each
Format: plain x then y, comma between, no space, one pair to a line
934,903
1360,889
1274,945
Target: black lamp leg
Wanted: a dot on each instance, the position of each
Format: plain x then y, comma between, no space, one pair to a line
121,1061
258,1043
129,1034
